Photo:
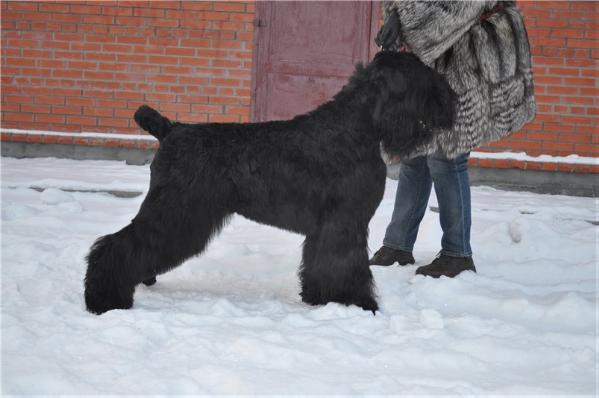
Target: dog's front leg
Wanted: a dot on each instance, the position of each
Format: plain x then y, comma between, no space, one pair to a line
335,266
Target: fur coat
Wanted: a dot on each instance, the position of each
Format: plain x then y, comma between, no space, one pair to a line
482,48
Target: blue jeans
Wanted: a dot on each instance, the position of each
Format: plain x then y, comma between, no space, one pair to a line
452,187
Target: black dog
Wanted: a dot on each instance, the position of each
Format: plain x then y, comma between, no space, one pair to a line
319,174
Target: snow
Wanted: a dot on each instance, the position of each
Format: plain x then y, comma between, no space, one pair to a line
84,134
231,321
523,156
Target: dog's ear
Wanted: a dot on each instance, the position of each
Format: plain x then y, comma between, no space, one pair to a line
441,103
392,88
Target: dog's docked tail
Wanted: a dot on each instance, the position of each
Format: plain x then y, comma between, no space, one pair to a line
153,122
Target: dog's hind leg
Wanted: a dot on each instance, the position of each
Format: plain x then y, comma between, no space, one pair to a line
169,228
335,266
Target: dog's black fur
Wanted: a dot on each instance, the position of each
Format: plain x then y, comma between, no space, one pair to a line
319,174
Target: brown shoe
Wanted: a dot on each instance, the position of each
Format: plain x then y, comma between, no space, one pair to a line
447,266
387,256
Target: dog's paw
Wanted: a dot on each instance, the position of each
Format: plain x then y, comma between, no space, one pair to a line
150,281
368,304
99,301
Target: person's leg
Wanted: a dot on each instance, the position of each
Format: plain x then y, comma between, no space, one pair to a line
413,190
452,187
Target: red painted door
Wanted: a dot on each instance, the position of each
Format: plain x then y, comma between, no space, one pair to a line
305,51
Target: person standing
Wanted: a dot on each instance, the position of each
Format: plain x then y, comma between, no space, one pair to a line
482,49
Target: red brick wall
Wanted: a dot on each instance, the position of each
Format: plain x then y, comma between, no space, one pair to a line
563,37
86,66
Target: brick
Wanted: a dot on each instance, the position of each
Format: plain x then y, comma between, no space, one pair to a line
12,108
542,136
218,44
564,71
117,11
68,73
552,22
102,56
204,34
111,103
17,117
163,41
54,7
244,111
229,7
85,9
549,61
224,100
131,95
242,17
84,46
169,107
191,117
587,149
223,118
562,90
94,75
129,58
165,79
149,12
200,108
567,33
196,43
581,43
160,97
163,60
113,122
576,120
82,120
66,110
214,16
591,72
131,40
579,100
193,5
559,146
97,94
575,137
166,4
49,100
50,118
21,6
177,70
117,48
79,101
193,99
179,51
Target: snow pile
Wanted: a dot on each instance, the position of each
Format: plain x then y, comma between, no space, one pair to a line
231,321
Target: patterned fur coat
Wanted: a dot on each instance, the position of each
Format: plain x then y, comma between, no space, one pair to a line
482,48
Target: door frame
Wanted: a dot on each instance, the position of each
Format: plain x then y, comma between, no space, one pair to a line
263,10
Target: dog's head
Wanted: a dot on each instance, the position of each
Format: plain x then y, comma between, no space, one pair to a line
413,102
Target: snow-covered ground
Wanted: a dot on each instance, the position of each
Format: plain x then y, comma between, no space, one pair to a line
231,321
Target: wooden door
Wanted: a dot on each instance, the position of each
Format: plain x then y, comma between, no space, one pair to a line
305,51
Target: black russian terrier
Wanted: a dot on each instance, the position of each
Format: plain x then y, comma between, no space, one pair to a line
319,174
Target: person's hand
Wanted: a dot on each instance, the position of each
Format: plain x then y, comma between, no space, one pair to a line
389,32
